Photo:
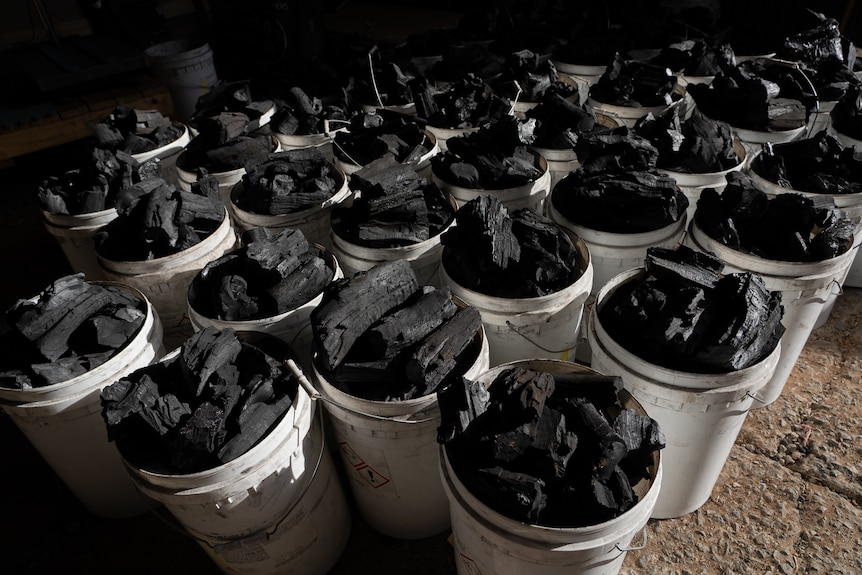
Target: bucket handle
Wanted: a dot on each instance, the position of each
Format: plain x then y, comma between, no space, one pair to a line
640,547
543,348
317,396
373,79
755,398
511,111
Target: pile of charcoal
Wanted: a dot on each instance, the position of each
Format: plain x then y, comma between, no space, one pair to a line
761,95
381,336
70,328
819,165
203,160
635,84
202,407
825,55
617,189
789,227
509,255
372,135
550,449
93,187
393,206
465,103
287,182
846,115
156,220
695,57
527,76
560,122
135,131
495,157
268,276
695,145
302,115
684,314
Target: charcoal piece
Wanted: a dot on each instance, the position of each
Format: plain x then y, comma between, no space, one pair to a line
254,422
634,83
127,397
54,343
107,137
612,495
205,352
166,413
204,431
158,218
115,332
485,226
684,263
277,256
194,207
350,307
601,390
519,395
234,301
60,370
207,187
609,448
301,286
617,150
435,361
638,432
461,403
517,495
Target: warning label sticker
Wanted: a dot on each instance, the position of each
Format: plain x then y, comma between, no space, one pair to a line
372,477
370,470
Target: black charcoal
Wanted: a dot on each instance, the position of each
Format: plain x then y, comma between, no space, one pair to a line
372,135
635,84
135,131
696,57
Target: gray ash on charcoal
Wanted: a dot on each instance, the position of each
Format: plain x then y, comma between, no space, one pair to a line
68,329
287,182
372,135
517,254
825,55
788,227
495,157
694,145
550,449
266,277
93,187
206,406
684,314
156,220
526,76
846,115
393,206
696,57
560,122
301,114
636,84
820,164
617,189
757,95
465,103
381,336
135,131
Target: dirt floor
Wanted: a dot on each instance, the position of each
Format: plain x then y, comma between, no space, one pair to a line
788,501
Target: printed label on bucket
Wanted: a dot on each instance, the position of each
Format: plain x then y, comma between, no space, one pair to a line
370,469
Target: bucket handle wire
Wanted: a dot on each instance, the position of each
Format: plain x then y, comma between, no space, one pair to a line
640,547
512,326
317,396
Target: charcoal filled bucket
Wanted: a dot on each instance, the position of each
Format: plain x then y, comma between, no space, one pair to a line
443,134
64,424
165,280
487,541
187,69
167,155
628,115
700,414
75,236
422,165
313,222
529,195
536,327
277,508
389,450
805,288
292,327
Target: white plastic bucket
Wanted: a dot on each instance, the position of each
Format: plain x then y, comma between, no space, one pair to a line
292,327
805,288
700,414
422,167
530,195
188,70
752,140
165,281
588,73
629,115
64,423
168,149
389,450
313,222
537,327
488,542
75,236
443,134
278,508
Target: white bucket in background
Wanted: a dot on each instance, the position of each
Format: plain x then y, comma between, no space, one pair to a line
537,327
165,280
700,414
63,421
292,327
277,508
753,140
422,167
486,541
188,70
589,74
693,184
313,222
389,450
805,288
530,195
75,236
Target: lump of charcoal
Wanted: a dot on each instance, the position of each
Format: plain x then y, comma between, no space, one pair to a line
686,324
696,57
846,115
203,158
615,150
372,135
534,449
464,103
135,131
634,83
527,77
559,122
207,405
